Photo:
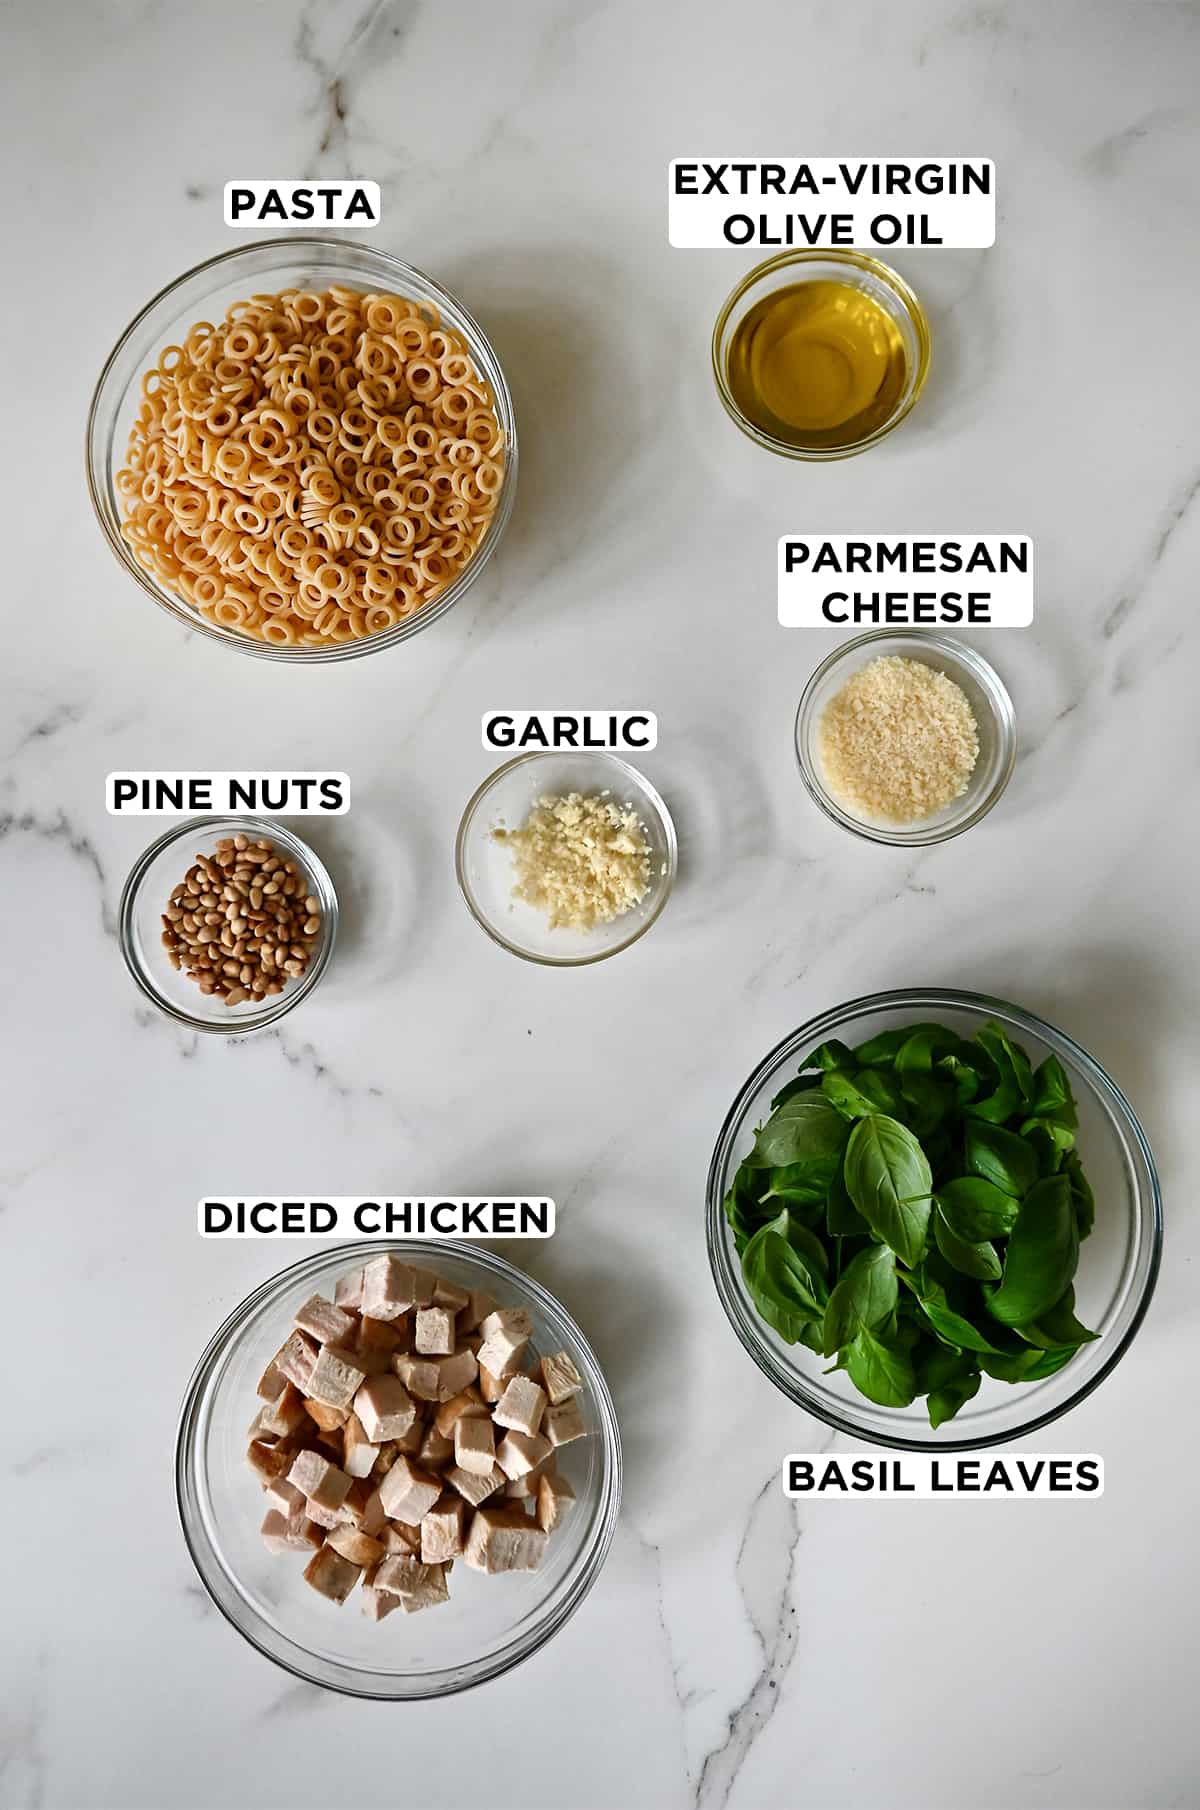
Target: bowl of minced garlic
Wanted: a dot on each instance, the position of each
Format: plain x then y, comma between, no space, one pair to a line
566,858
905,738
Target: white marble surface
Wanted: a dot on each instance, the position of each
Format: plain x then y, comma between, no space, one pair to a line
735,1651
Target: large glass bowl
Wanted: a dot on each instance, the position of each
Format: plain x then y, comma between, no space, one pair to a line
490,1623
1118,1263
204,293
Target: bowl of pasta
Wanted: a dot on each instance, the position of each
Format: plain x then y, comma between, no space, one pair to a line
303,448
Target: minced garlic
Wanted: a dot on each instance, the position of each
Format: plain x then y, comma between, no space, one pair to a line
583,860
899,741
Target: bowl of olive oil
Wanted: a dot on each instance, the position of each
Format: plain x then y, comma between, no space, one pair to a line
819,354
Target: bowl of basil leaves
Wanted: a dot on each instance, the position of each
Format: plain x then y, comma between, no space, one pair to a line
933,1220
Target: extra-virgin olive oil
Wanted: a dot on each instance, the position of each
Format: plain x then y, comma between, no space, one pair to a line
817,365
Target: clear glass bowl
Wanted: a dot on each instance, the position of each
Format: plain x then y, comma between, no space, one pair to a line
204,293
889,291
485,867
490,1624
139,924
1118,1263
989,701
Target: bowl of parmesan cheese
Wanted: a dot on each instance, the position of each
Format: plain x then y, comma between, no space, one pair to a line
566,857
906,738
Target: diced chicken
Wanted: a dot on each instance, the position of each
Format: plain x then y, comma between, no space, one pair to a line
424,1283
434,1333
455,1373
503,1538
442,1530
436,1451
521,1406
387,1288
481,1304
378,1603
554,1497
271,1459
327,1324
475,1444
327,1418
525,1487
347,1291
560,1379
399,1537
283,1415
295,1360
377,1340
408,1493
413,1440
415,1585
491,1386
354,1508
328,1518
332,1575
449,1294
322,1482
472,1487
359,1452
284,1496
336,1377
563,1423
374,1518
360,1548
385,1408
508,1330
518,1453
420,1376
522,1490
272,1379
469,1402
284,1533
499,1355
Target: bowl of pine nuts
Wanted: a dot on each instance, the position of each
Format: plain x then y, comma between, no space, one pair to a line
226,923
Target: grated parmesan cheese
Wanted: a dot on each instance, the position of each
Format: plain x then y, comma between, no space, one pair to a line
582,860
899,741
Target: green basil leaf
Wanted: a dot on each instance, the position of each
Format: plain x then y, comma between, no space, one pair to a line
1082,1197
1046,1152
1060,1138
922,1047
1052,1096
806,1183
1058,1327
792,1090
1042,1251
977,1259
976,1209
842,1217
1001,1157
783,1284
864,1298
928,1101
841,1088
802,1128
963,1073
944,1402
880,1051
1048,1362
744,1207
890,1182
950,1325
1014,1086
881,1370
803,1239
830,1057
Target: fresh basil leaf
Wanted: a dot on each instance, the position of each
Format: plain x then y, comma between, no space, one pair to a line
800,1129
880,1370
1000,1157
785,1287
1058,1327
864,1297
976,1209
1082,1197
842,1217
830,1057
1014,1086
1046,1152
950,1325
806,1183
1049,1362
881,1088
803,1239
890,1182
880,1051
744,1207
1052,1096
922,1047
978,1259
841,1090
928,1100
964,1075
1048,1131
944,1402
1042,1251
803,1084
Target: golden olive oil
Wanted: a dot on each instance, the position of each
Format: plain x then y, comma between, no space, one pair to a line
817,365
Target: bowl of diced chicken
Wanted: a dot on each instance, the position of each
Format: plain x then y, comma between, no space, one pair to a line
412,1434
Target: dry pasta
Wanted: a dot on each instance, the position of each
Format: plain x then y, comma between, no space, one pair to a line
316,468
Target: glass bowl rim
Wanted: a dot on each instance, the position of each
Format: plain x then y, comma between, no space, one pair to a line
741,1317
891,279
666,881
101,492
1004,720
291,996
591,1561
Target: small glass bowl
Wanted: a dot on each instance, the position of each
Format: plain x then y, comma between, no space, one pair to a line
153,878
490,1624
204,292
888,290
485,866
990,703
1118,1263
